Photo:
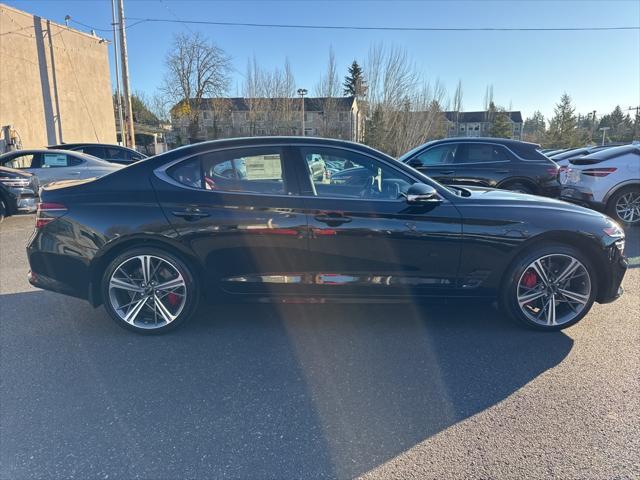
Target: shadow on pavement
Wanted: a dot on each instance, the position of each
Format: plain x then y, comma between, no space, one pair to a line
248,390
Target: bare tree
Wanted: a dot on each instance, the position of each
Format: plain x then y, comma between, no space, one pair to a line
404,110
271,98
196,69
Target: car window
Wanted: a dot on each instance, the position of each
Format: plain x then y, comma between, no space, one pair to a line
93,150
440,155
481,153
111,153
256,170
22,161
342,173
57,160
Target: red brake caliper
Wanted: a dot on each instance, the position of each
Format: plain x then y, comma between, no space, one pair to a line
530,279
172,298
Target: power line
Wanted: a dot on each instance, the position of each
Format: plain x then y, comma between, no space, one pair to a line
139,20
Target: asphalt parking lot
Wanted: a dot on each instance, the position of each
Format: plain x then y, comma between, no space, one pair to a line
308,391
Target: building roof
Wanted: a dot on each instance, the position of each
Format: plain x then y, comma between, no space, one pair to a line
311,104
466,117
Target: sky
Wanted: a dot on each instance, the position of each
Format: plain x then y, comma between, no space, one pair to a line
528,70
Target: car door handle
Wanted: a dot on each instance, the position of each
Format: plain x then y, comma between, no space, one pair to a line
447,172
74,173
332,220
190,213
502,171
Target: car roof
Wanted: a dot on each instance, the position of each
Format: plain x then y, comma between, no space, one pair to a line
64,146
613,152
569,153
269,140
73,153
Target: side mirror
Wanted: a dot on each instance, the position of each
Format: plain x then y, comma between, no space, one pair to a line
422,193
414,162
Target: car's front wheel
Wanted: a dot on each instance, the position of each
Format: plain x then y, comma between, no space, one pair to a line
549,288
624,205
148,290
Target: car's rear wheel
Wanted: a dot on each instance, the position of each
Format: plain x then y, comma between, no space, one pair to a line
624,205
549,288
148,290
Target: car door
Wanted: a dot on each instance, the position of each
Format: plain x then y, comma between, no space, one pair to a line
238,211
438,162
364,238
55,166
482,164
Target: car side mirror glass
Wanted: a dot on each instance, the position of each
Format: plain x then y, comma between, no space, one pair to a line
422,193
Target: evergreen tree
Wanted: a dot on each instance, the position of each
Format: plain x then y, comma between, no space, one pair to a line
534,128
563,131
502,127
355,84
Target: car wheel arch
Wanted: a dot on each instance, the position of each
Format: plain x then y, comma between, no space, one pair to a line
527,182
583,243
100,263
618,187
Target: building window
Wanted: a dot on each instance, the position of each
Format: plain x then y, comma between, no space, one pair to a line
308,132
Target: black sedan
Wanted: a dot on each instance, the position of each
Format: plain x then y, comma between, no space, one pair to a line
247,218
487,162
18,192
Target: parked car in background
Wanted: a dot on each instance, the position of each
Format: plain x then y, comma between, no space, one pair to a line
487,162
563,158
607,180
150,240
109,153
53,165
554,151
18,192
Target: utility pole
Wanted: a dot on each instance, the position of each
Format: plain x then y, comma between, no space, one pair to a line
130,139
604,133
593,125
635,121
116,63
302,92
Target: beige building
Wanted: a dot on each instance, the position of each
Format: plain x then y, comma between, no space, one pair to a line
54,83
336,117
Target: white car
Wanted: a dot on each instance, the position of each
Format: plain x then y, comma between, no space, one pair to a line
607,180
56,165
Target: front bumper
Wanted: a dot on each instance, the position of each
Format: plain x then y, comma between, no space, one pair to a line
27,204
610,287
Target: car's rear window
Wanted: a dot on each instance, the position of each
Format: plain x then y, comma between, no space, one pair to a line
527,151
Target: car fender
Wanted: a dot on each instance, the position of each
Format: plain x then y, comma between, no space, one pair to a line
618,186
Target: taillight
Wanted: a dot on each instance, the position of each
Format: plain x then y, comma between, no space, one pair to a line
598,172
553,170
47,212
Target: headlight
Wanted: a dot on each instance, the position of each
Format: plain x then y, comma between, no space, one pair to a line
614,230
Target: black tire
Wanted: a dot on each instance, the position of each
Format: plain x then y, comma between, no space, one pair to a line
191,289
3,210
613,202
519,187
508,301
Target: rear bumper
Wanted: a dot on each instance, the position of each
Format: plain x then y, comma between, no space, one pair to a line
581,197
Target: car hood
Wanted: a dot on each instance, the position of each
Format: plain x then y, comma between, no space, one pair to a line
492,196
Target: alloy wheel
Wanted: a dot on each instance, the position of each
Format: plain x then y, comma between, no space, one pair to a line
554,290
628,207
147,291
